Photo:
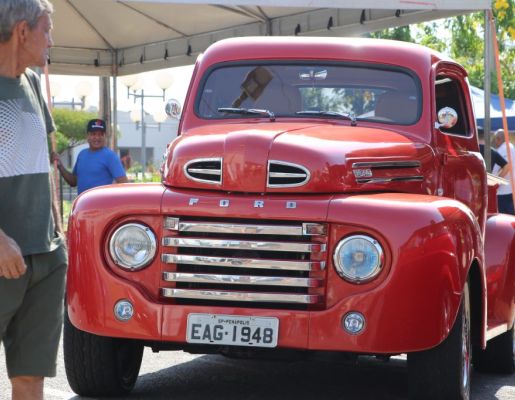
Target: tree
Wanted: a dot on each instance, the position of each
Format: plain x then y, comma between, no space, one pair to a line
402,33
71,127
463,40
467,45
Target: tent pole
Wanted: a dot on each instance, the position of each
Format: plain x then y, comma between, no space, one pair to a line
114,143
487,92
503,105
114,110
58,216
105,103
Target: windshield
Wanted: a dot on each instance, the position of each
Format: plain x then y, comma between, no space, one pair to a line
360,93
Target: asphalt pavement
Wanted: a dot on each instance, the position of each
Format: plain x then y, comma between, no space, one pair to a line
182,376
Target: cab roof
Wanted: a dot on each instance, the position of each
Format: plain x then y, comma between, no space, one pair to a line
409,55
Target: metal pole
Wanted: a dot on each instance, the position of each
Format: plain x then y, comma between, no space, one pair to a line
114,111
487,65
143,137
61,197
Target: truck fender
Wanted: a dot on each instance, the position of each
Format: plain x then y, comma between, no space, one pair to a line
500,273
433,242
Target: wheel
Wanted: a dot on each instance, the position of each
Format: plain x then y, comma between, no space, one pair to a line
443,372
498,355
100,366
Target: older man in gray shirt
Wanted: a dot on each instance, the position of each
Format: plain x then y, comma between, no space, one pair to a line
32,253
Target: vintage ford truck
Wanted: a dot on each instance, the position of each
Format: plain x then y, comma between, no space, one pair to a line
322,195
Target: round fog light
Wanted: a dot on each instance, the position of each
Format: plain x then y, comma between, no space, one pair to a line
123,310
354,323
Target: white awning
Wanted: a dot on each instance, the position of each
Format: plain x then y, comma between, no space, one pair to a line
118,37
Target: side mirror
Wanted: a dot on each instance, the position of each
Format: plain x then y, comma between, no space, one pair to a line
173,108
447,118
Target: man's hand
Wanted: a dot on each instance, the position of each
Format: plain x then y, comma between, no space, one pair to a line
55,158
12,265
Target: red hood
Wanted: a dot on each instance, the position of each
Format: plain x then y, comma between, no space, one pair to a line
246,159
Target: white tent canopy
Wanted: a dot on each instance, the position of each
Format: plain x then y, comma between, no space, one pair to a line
118,37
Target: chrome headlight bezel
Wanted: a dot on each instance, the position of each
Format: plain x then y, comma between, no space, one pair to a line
116,249
344,271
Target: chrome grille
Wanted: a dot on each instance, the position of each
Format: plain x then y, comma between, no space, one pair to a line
244,264
206,170
283,174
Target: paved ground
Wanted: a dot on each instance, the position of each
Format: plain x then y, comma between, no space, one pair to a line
181,376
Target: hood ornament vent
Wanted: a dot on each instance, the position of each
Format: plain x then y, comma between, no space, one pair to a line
284,174
206,170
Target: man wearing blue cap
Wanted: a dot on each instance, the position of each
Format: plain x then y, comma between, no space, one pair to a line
96,165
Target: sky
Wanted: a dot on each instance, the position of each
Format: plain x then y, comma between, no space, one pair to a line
64,89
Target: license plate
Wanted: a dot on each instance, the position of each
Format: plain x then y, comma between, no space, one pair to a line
232,330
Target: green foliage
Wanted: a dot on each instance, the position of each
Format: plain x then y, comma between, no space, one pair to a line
71,127
402,33
462,39
350,101
135,168
428,38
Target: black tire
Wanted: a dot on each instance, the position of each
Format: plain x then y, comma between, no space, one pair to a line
443,372
498,355
100,366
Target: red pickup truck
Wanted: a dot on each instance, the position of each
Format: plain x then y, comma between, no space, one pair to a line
322,194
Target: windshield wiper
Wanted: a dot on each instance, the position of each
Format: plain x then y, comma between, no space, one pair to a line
248,111
350,117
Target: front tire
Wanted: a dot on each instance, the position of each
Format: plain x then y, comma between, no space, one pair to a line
443,372
498,355
100,366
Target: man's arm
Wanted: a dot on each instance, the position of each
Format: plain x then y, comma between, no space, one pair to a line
116,168
498,159
503,172
69,177
12,265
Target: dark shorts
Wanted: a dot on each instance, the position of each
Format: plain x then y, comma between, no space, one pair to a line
31,315
505,203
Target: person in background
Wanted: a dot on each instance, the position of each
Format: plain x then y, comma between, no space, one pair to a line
96,165
33,258
496,160
504,193
126,159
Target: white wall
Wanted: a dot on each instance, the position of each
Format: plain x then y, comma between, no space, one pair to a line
156,139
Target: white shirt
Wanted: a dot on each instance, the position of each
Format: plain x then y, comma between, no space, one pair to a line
506,189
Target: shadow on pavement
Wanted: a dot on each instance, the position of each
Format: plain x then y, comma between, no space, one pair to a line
214,377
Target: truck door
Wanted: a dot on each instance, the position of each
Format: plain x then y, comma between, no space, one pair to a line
462,172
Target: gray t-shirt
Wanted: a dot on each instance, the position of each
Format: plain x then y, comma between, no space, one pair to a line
25,195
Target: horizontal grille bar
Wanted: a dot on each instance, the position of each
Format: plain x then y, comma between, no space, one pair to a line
243,262
240,296
244,245
240,279
243,229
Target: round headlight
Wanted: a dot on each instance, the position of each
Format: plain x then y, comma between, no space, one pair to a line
132,246
358,258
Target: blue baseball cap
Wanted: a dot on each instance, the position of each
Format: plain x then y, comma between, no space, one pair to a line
96,125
